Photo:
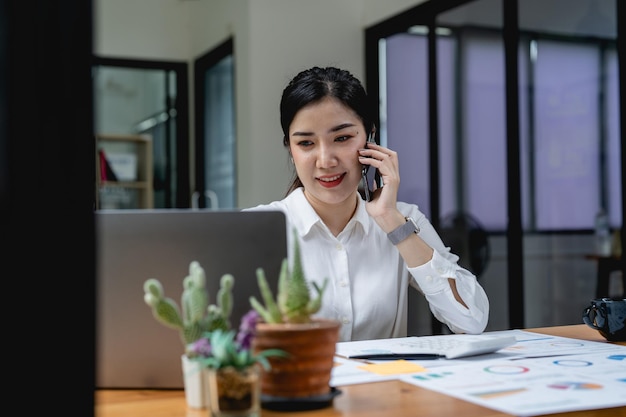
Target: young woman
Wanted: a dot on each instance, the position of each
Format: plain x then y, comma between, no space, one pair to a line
370,251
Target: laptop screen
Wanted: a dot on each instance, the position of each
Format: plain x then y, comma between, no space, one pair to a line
134,350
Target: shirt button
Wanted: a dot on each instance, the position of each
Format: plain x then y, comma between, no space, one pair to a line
429,278
338,246
345,320
344,283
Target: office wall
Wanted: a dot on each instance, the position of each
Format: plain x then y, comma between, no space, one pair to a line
274,39
142,29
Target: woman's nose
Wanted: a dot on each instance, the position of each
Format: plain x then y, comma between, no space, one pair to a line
326,157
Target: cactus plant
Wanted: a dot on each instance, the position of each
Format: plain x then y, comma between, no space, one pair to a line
293,303
196,316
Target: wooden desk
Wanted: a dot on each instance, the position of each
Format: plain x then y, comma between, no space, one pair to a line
390,398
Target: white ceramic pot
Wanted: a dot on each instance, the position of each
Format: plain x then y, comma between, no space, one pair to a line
195,379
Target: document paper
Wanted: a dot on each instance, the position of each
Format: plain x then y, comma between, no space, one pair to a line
540,374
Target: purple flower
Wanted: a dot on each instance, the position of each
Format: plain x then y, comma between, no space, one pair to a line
247,329
201,347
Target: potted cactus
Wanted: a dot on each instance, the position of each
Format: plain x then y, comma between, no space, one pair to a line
288,323
192,319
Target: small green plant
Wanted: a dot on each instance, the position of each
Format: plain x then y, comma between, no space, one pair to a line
222,349
196,316
293,303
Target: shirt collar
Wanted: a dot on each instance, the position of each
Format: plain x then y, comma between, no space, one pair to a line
307,217
361,216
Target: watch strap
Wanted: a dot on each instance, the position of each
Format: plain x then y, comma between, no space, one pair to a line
404,231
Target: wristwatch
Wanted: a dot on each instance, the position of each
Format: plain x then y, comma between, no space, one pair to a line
402,232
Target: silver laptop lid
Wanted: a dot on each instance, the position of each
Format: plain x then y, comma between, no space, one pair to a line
133,349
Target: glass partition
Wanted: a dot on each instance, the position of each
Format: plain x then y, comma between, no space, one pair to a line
135,99
216,181
506,122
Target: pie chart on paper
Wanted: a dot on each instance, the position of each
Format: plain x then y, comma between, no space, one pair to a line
575,386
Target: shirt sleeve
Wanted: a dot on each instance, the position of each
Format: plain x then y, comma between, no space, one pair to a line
432,279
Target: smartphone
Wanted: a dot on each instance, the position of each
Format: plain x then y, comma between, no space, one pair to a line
370,176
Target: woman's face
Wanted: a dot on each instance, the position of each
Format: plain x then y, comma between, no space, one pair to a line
324,139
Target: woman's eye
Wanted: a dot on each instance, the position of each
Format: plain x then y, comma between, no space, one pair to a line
305,143
342,138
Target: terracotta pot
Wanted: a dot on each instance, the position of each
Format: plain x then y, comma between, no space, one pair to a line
307,370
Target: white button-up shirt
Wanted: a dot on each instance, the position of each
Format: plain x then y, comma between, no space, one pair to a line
368,281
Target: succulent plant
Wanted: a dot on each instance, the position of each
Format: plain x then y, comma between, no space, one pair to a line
293,303
196,316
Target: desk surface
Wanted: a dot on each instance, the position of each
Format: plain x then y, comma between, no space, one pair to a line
389,398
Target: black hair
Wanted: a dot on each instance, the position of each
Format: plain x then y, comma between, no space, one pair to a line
315,84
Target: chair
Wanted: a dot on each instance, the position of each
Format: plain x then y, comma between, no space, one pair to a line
467,238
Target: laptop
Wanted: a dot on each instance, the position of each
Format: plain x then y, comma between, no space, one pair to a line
133,349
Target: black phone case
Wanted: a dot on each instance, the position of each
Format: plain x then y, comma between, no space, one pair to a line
370,176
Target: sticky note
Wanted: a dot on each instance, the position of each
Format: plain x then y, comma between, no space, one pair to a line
393,367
